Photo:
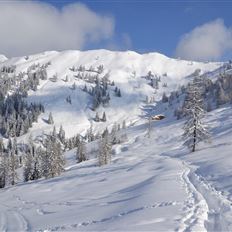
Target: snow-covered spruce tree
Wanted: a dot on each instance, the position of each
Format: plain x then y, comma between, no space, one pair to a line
13,164
31,162
61,135
31,146
81,152
59,160
28,168
99,93
12,161
89,134
50,118
53,159
194,129
155,83
66,78
104,155
149,75
68,99
124,124
104,117
100,69
119,93
74,86
164,98
45,162
85,89
97,118
221,95
113,135
3,170
3,166
55,154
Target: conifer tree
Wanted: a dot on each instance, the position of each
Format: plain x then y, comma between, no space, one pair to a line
97,118
12,173
113,134
61,134
52,158
66,78
81,152
74,86
90,135
50,118
194,129
3,166
104,117
164,98
104,155
28,167
124,124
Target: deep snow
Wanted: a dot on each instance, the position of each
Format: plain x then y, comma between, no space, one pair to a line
152,183
125,68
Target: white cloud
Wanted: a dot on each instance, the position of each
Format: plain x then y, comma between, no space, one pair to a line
29,27
209,41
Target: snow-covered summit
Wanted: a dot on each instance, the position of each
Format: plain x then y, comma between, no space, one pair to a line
126,69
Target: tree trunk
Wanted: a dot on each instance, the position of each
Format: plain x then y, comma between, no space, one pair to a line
194,137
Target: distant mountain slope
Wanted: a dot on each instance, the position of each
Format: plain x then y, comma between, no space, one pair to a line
126,69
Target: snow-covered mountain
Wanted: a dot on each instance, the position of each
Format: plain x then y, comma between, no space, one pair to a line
126,69
153,183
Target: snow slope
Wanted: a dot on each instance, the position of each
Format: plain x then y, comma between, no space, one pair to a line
125,68
152,183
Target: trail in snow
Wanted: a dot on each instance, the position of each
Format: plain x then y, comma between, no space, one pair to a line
220,208
205,208
195,208
3,222
13,220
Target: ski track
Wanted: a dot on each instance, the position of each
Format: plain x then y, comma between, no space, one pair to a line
13,221
195,208
206,209
3,222
220,208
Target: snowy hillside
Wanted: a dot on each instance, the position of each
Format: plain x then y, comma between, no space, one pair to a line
151,185
153,182
124,68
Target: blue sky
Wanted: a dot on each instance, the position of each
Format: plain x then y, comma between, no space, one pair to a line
194,30
157,25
